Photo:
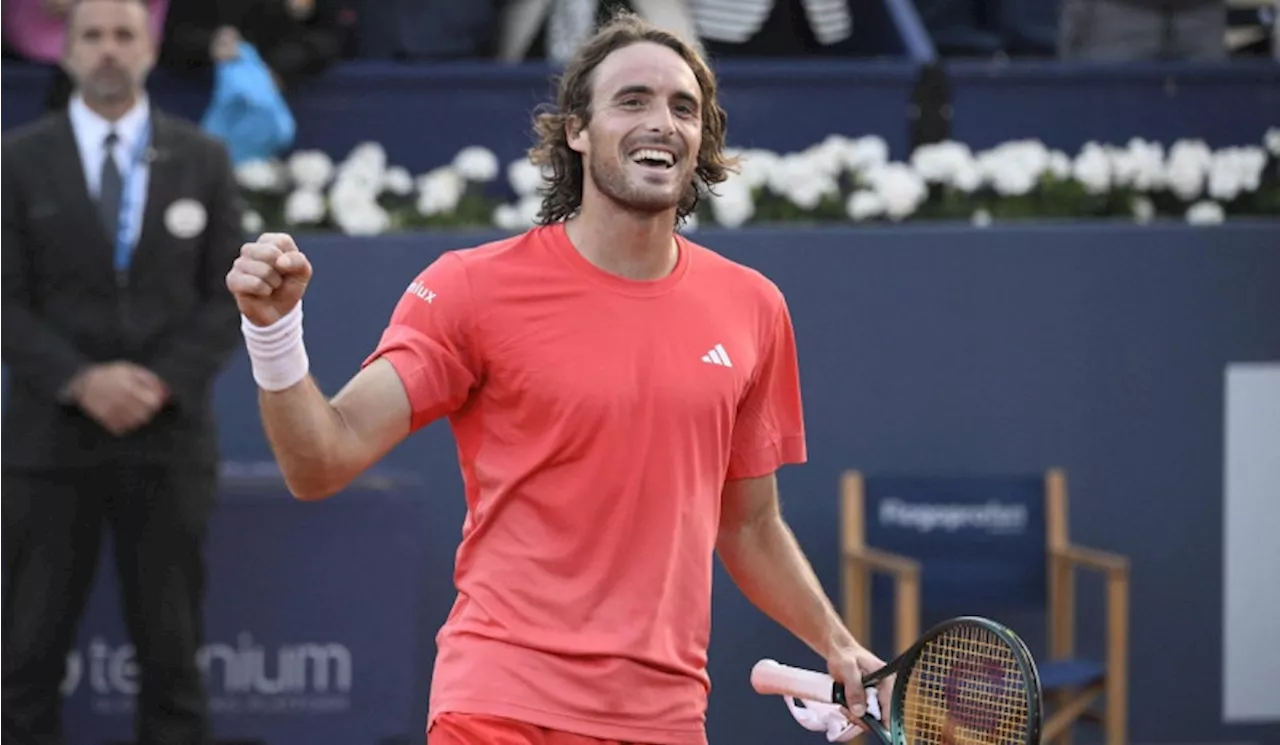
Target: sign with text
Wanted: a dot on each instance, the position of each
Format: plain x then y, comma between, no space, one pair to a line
310,624
980,540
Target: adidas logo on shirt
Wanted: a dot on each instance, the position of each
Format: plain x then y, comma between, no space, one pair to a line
717,356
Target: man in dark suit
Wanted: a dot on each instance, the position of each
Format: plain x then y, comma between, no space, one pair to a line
119,226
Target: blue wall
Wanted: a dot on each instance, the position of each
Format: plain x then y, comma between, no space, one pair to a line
1098,348
423,114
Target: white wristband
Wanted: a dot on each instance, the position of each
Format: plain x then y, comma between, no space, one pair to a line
276,351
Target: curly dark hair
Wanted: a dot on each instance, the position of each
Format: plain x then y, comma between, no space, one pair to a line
562,194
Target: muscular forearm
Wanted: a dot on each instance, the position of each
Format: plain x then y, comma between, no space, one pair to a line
766,563
323,445
306,434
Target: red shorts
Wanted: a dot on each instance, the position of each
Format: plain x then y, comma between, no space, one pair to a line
473,729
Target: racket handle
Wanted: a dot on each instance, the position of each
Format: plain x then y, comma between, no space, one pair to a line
772,678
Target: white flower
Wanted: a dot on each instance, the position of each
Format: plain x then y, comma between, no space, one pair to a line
1014,168
1252,162
732,205
1272,141
803,178
1186,168
1060,165
354,186
787,170
866,153
353,201
1234,170
808,193
981,218
1224,176
251,222
864,205
968,177
440,190
757,165
528,208
477,164
363,169
1143,209
1205,213
1092,168
369,156
942,162
507,217
525,177
829,156
397,181
353,204
900,189
310,169
304,207
1139,166
362,218
261,176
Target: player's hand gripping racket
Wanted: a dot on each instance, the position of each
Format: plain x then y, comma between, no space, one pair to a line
967,681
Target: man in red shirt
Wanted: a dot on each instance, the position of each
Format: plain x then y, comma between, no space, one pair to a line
621,399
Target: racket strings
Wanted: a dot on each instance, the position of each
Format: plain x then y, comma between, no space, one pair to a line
966,688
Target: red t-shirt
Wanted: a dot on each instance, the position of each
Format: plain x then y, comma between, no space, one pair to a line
597,420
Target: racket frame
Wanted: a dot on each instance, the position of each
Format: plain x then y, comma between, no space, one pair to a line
903,665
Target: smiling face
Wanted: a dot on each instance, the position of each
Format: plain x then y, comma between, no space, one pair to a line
640,147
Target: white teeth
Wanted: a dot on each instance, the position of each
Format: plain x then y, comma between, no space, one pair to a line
661,156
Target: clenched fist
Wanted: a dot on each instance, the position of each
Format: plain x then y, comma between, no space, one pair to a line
268,278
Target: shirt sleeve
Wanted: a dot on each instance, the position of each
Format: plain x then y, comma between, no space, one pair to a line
429,341
769,432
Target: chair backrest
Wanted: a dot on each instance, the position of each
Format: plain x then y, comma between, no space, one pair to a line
980,540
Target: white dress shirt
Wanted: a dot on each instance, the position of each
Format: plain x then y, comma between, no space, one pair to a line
91,132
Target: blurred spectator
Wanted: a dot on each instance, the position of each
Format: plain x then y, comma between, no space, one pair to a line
553,29
427,29
772,28
296,38
984,28
35,30
1131,30
247,111
120,224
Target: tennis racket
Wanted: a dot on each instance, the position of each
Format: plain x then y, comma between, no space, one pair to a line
967,681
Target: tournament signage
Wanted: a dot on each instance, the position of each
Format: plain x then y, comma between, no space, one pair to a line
310,625
980,540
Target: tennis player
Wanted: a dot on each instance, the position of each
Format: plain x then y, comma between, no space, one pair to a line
621,399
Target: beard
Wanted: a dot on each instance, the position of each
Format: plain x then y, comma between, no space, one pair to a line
107,84
613,180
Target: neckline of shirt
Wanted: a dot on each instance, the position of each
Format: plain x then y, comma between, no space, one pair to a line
560,244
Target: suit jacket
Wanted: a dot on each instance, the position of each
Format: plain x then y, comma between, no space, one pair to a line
65,308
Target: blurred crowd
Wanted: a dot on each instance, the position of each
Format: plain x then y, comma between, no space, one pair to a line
298,38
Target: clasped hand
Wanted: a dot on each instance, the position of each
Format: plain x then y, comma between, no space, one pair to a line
120,396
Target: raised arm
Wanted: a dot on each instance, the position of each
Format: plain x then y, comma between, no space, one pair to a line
320,445
423,368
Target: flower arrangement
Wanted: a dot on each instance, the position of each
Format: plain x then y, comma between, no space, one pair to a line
840,180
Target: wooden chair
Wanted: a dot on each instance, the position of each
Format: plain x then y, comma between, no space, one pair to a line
990,546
